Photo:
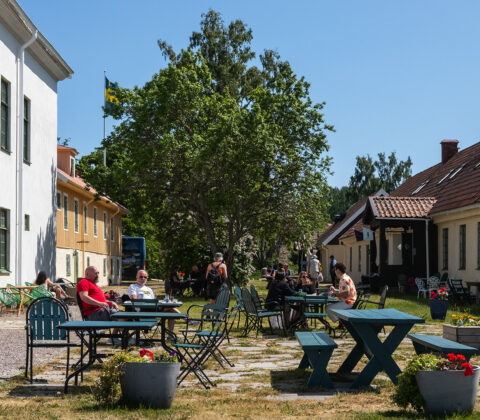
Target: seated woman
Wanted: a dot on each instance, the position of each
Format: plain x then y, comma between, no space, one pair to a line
278,290
346,292
43,280
304,284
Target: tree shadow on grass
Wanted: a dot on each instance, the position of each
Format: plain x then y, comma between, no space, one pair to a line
41,390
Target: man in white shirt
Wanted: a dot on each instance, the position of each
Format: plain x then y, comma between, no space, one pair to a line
139,290
314,268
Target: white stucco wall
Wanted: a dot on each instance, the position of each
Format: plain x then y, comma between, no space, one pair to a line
38,247
353,244
452,221
94,259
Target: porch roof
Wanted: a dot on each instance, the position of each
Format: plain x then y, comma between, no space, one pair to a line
401,207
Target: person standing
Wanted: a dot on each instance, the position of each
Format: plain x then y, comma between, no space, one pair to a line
346,292
314,268
215,276
333,261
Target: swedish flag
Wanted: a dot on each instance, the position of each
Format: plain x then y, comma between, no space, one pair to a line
109,97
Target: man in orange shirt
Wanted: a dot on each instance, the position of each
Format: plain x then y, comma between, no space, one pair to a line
346,292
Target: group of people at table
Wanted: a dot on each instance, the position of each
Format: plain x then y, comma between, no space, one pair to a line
279,287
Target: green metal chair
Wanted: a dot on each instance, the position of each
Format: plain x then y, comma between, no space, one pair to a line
42,318
194,353
254,317
256,299
237,293
39,291
17,293
8,299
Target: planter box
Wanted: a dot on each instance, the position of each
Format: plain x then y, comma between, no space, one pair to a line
470,336
448,391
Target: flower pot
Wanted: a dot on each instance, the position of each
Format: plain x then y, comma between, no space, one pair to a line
438,308
448,391
150,384
470,336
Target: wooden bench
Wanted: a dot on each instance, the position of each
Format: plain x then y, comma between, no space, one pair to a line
318,348
435,344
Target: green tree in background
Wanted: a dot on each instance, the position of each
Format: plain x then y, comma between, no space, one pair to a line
214,148
369,176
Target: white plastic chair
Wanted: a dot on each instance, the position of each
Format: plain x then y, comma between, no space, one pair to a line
421,287
433,283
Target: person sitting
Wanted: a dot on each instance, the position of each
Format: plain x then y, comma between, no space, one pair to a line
346,292
278,290
197,281
304,284
43,280
139,290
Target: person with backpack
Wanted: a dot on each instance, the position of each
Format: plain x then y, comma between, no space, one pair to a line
215,276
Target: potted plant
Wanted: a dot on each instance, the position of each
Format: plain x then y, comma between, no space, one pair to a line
148,378
437,385
439,303
463,329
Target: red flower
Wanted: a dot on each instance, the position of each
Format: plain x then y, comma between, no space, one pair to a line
451,357
442,289
144,352
461,357
468,369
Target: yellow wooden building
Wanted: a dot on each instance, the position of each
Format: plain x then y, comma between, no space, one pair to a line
89,226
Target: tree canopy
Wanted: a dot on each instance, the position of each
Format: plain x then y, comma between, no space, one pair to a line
217,146
370,176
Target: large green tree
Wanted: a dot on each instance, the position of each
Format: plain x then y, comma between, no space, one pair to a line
370,176
217,146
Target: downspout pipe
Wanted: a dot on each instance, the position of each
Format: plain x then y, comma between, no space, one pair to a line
19,151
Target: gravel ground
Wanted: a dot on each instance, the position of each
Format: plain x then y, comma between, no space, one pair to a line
13,345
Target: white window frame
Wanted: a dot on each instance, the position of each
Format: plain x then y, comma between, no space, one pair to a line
105,224
85,219
95,225
76,218
65,211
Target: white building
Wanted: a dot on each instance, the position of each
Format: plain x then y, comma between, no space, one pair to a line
30,69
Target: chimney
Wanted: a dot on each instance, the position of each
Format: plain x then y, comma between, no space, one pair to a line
449,149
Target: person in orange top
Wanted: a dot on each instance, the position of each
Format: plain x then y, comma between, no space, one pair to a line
346,292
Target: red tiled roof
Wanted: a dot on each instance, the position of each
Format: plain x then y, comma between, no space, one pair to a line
451,189
402,207
61,148
81,183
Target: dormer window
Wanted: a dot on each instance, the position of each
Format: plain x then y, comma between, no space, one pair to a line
456,171
420,187
72,166
446,176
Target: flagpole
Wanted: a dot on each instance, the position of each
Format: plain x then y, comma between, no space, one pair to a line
104,119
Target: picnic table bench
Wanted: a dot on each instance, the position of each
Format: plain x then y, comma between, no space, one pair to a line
318,348
424,343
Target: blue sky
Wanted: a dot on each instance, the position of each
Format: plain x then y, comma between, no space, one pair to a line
395,75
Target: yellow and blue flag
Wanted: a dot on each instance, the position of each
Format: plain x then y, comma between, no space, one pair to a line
109,97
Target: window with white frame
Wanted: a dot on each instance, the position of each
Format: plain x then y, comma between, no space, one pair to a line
65,211
85,220
4,240
27,223
5,116
26,130
104,225
95,231
112,229
59,201
76,215
68,267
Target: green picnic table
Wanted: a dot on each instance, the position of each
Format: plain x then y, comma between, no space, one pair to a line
145,306
364,326
318,348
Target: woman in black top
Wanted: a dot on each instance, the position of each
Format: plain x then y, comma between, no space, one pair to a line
277,291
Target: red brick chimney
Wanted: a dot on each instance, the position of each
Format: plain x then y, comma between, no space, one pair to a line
449,149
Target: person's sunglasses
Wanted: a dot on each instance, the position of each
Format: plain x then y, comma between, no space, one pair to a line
143,277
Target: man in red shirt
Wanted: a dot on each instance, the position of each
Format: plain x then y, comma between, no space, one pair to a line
94,306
